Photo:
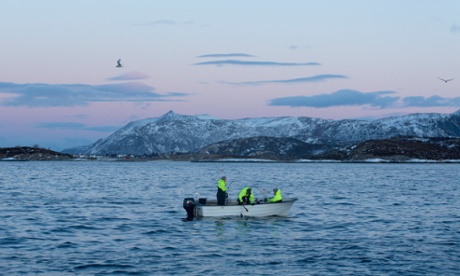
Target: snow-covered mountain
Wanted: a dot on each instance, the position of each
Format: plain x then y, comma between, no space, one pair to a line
180,133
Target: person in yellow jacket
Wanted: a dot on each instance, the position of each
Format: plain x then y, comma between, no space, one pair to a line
277,196
246,196
222,191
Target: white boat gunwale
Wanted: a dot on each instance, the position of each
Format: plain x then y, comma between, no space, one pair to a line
259,209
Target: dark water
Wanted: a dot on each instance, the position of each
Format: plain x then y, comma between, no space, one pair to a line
97,218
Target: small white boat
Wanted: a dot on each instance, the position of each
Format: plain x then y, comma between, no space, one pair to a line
204,208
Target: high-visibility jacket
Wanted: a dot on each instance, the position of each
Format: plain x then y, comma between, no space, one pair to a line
243,193
277,197
222,185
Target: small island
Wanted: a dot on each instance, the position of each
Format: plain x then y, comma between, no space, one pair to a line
21,153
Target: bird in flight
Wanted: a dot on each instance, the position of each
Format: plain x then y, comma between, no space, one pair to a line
445,80
119,63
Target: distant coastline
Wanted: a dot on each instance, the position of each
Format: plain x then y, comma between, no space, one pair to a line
21,153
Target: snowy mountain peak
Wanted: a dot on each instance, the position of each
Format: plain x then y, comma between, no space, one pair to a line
175,133
170,113
172,116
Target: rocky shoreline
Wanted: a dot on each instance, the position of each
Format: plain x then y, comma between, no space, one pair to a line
398,149
32,154
269,149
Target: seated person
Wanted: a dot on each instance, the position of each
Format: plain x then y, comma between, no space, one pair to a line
277,196
246,196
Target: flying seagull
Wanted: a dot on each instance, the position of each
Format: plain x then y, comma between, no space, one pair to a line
119,63
445,80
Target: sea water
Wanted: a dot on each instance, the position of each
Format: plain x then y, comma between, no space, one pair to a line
103,218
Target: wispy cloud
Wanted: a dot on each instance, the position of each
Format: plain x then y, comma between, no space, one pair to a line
53,95
378,99
293,81
419,101
296,47
130,76
61,125
225,55
455,28
165,22
254,63
339,98
76,126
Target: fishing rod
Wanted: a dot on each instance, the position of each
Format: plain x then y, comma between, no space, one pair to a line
229,184
262,191
245,207
227,200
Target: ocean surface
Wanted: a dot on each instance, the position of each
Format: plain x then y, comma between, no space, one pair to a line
125,218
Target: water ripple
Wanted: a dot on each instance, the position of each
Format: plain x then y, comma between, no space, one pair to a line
99,218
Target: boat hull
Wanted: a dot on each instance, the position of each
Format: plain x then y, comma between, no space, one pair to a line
263,209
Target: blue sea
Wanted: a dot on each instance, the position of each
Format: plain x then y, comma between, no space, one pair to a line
105,218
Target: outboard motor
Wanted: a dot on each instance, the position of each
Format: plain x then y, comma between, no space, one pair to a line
189,206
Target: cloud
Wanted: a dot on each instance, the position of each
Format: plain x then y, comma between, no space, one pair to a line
53,95
293,81
455,28
165,22
76,126
254,63
130,76
61,125
379,99
296,47
419,101
225,55
339,98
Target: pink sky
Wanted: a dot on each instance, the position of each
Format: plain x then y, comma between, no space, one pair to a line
59,86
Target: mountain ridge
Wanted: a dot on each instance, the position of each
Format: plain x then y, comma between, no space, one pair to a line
176,133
